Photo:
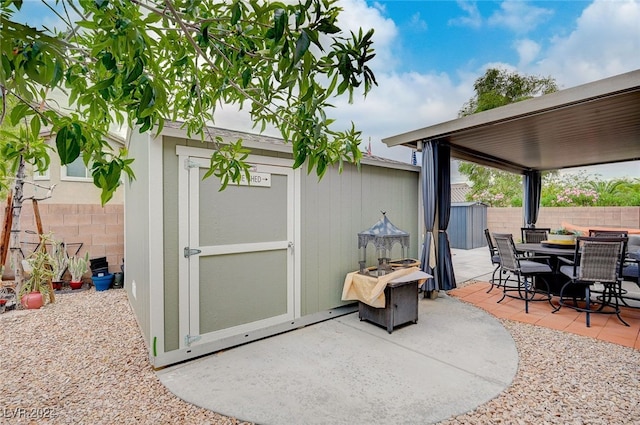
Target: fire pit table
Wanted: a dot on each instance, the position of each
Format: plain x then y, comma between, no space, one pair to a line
390,300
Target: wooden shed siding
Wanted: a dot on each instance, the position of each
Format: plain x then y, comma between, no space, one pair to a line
335,210
137,230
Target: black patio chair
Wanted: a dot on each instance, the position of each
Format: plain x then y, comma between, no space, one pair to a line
631,267
597,259
495,260
608,233
525,270
631,255
534,234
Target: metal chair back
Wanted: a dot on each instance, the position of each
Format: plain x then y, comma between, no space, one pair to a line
507,251
608,233
492,248
600,258
534,235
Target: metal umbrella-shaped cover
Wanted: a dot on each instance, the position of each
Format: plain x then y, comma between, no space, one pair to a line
384,235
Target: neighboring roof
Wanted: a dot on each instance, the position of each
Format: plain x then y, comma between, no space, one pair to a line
261,141
112,138
595,123
459,192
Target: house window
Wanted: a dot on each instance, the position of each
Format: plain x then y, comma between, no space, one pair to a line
76,171
41,175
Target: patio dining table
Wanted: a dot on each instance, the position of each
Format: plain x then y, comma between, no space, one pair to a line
557,279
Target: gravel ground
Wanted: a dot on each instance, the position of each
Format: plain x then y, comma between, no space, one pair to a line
82,360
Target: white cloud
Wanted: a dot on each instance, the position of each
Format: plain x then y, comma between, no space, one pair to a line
417,23
401,103
605,42
473,18
528,50
519,16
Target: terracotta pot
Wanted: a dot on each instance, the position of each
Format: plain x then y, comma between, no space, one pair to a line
32,300
75,285
57,285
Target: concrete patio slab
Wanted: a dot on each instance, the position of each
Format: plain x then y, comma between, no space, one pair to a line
344,371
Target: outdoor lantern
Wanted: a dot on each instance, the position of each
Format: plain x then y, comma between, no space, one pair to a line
384,235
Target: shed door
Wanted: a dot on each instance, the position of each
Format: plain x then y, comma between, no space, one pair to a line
240,253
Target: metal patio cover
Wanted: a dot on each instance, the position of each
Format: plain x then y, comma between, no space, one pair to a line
595,123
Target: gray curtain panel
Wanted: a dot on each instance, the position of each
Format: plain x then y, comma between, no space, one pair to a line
532,190
446,277
429,207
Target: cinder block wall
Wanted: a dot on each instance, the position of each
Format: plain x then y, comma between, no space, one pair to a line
509,220
101,230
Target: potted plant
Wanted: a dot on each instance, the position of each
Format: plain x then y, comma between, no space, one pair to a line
78,266
563,235
38,270
60,262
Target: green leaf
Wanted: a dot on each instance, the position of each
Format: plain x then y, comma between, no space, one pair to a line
105,83
35,126
308,94
152,18
302,45
270,34
135,72
58,73
279,23
108,61
327,27
322,166
246,77
146,124
6,67
87,24
67,146
181,62
145,101
20,111
236,13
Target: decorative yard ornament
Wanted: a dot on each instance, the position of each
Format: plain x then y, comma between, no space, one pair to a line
384,236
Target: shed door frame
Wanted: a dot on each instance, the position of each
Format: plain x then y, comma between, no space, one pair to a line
187,289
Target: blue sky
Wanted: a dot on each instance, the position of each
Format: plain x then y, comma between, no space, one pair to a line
429,53
451,35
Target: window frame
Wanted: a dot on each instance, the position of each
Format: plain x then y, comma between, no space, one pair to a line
65,177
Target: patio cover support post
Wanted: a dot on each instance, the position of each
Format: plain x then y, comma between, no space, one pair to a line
446,277
532,189
428,186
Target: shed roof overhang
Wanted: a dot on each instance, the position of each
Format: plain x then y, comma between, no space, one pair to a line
595,123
